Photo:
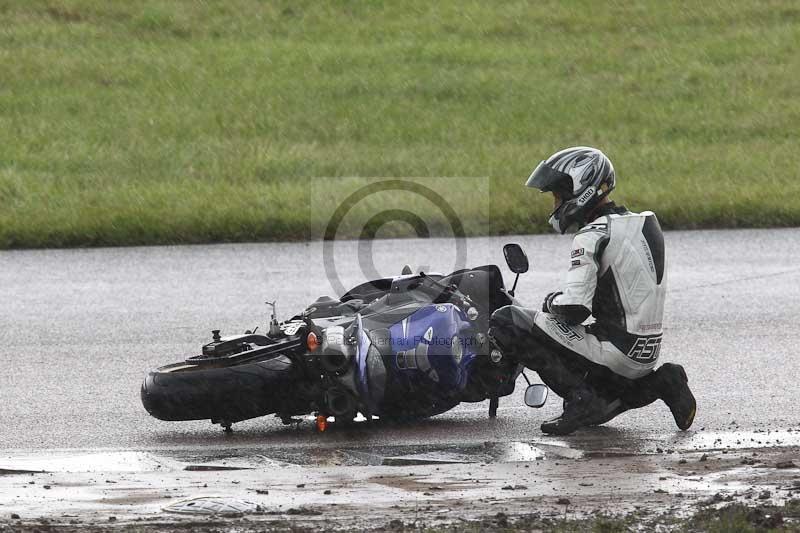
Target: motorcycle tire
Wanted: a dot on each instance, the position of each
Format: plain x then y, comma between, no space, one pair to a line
222,394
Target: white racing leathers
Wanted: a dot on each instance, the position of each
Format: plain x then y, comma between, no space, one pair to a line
617,274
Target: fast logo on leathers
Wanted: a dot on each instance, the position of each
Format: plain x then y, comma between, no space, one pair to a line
564,330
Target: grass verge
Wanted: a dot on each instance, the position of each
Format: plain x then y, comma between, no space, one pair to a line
171,122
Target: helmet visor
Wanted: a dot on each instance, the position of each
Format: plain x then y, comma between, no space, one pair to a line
547,179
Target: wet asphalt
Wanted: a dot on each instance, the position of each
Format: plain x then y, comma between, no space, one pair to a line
80,328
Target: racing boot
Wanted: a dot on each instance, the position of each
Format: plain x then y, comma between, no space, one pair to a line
673,386
582,407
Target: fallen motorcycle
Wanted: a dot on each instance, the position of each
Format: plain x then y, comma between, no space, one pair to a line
400,348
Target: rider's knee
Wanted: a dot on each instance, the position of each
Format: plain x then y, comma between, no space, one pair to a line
514,317
511,327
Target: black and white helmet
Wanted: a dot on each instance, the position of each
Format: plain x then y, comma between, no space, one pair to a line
581,176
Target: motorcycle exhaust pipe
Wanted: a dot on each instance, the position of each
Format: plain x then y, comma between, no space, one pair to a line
335,362
339,402
335,356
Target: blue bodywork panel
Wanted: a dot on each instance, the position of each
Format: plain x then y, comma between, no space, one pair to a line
433,344
423,348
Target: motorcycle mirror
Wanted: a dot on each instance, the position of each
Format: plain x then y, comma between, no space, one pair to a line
516,259
536,395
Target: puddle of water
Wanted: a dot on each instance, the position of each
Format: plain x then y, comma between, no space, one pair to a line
362,458
489,452
516,452
432,458
522,452
91,462
16,471
213,468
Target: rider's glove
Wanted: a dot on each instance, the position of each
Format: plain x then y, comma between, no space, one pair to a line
548,301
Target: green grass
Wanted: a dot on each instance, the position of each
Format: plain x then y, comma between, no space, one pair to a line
184,121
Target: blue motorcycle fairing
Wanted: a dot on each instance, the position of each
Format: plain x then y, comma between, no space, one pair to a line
429,344
424,347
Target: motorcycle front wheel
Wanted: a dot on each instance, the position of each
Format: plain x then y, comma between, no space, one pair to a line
223,395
